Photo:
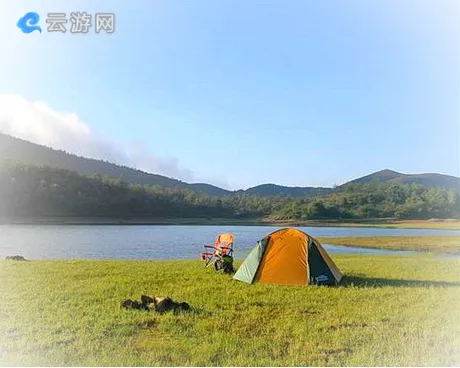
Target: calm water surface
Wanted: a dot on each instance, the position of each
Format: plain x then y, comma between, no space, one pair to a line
161,242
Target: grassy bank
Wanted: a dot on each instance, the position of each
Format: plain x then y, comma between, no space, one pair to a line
409,224
435,244
388,311
379,223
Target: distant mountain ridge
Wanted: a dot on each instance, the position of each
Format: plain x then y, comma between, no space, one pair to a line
426,179
31,153
16,149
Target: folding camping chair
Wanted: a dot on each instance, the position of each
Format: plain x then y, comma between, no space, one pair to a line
221,254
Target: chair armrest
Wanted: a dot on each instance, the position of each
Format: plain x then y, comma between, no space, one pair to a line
209,246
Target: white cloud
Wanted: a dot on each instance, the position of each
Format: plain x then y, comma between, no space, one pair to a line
39,123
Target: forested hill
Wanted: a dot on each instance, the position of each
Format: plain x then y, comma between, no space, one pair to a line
32,191
429,180
15,149
279,190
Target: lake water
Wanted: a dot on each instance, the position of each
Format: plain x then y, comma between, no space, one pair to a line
161,242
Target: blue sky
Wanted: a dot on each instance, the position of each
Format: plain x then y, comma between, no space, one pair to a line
239,93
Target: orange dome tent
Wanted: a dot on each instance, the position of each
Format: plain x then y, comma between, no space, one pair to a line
289,257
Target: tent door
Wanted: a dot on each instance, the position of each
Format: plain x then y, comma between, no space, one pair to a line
319,271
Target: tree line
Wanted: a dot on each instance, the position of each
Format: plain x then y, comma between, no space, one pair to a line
36,191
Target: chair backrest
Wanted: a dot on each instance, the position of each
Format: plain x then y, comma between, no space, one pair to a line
225,241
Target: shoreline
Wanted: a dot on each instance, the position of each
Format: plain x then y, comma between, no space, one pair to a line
435,244
435,224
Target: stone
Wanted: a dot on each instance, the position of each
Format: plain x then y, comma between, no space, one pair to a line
15,258
157,304
131,304
164,304
147,300
183,306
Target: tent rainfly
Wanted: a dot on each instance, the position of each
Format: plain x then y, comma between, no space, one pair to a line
289,257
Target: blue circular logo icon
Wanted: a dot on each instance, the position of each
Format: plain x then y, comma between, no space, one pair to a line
29,23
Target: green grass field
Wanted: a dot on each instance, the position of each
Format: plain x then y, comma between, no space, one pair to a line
435,244
396,311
